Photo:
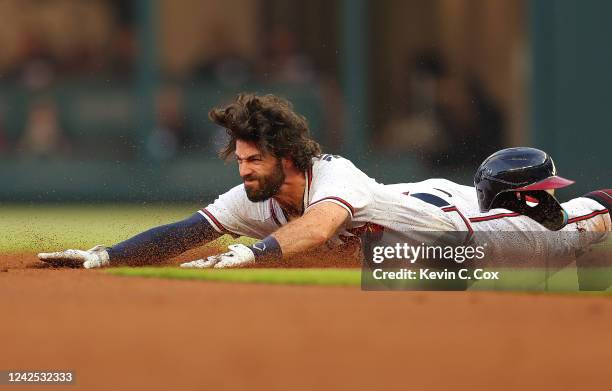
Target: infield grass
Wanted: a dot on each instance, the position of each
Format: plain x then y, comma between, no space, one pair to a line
326,277
535,280
48,227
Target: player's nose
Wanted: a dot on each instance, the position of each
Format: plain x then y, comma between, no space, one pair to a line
244,170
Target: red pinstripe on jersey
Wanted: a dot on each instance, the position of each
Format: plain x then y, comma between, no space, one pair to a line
465,220
514,214
493,217
309,177
214,220
587,216
274,217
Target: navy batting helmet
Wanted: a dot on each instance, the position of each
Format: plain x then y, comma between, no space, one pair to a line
512,177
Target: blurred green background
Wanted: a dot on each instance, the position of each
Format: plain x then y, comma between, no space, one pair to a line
107,100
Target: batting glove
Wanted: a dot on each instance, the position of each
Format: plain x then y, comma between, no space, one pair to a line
92,258
239,255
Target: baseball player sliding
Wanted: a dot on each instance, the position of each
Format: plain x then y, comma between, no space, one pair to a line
294,198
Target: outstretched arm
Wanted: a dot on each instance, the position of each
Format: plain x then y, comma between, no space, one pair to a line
313,229
164,242
156,244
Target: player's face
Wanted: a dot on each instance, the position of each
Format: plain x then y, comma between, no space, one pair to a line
262,174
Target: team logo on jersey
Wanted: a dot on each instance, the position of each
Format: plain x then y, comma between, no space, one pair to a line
327,157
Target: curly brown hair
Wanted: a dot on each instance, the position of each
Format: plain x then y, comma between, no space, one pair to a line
270,123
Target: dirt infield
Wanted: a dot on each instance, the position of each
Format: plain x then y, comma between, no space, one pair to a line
136,333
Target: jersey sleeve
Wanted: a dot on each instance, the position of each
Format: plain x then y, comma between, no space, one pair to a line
338,181
225,214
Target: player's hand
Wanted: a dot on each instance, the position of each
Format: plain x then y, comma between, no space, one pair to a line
239,255
92,258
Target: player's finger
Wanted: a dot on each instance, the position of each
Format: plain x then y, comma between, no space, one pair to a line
198,264
91,264
226,264
52,256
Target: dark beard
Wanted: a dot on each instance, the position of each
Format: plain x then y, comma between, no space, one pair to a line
268,185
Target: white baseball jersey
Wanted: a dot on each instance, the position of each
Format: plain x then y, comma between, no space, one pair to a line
524,235
372,205
583,213
331,179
